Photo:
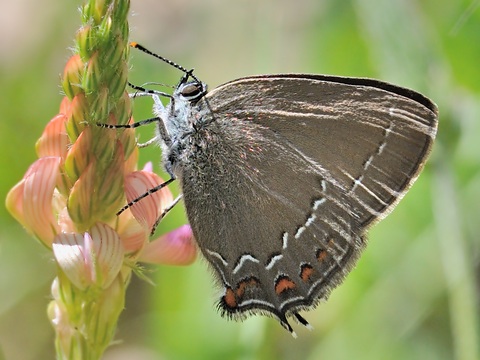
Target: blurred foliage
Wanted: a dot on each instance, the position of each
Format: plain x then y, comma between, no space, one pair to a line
415,292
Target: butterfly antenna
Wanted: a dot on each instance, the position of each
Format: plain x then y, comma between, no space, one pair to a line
188,73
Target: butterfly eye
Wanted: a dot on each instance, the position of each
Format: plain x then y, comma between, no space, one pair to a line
192,91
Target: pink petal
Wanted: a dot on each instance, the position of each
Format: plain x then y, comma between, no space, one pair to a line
93,258
131,161
54,140
109,251
174,248
134,236
148,167
65,223
147,210
69,251
65,106
30,201
14,202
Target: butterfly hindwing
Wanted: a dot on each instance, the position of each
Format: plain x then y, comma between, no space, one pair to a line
285,173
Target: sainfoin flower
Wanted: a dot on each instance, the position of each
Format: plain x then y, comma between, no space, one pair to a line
69,197
40,201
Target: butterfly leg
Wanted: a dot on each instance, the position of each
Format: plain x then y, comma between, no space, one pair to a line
144,195
130,126
165,212
159,110
141,91
147,143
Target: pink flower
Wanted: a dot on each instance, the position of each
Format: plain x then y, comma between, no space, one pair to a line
90,259
31,201
68,198
173,248
61,190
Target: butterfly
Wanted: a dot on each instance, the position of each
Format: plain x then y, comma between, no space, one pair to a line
282,176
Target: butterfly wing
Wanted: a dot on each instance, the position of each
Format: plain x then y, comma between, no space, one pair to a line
284,175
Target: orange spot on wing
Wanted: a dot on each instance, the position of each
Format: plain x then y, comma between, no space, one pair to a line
241,289
321,255
230,299
284,284
244,284
306,272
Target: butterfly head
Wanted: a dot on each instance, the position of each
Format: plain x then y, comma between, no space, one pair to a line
191,91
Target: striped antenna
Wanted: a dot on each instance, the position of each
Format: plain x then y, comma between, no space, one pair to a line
170,62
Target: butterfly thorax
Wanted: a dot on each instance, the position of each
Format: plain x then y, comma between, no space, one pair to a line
178,123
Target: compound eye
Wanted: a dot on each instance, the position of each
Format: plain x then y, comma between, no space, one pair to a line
192,91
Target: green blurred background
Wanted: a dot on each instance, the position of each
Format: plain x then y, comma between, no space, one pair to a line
415,292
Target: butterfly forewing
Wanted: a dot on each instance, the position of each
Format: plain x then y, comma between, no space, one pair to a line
372,142
285,173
